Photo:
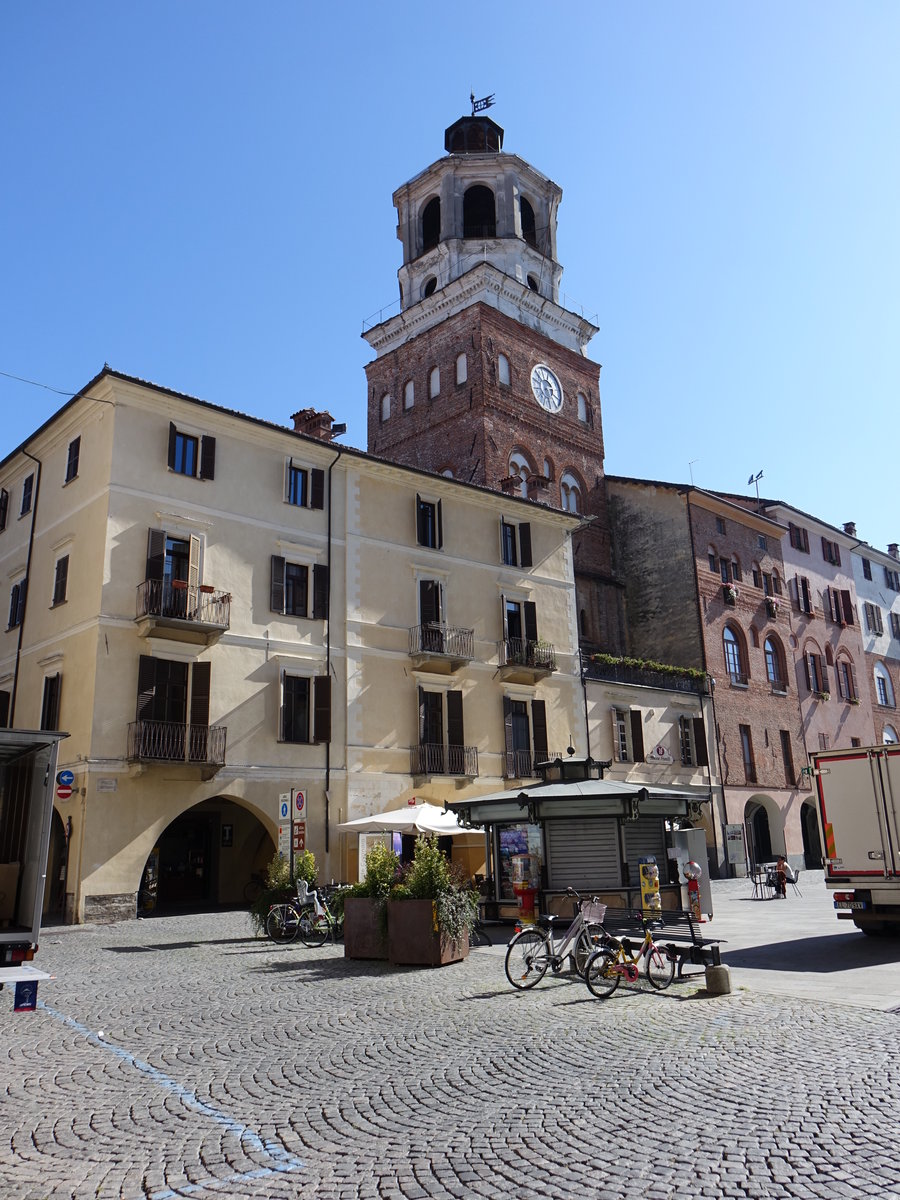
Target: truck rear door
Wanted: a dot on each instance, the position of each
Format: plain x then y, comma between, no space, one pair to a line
858,795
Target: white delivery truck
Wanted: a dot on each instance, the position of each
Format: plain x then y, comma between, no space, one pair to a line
27,784
859,813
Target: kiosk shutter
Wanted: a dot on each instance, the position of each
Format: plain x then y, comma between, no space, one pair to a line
583,854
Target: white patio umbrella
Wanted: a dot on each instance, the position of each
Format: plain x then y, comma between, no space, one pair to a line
413,818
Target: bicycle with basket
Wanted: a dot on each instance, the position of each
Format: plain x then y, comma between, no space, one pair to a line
533,949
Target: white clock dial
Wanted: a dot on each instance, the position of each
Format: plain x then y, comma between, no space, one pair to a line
546,388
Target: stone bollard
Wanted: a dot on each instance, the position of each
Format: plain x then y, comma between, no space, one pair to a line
718,981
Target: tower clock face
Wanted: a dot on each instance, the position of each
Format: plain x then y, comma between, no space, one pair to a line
546,388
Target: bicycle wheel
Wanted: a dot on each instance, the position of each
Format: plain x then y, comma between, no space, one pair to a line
282,922
660,966
526,959
588,941
313,930
600,974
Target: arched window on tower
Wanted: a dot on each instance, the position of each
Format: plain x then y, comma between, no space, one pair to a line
462,368
520,469
503,370
529,232
479,214
434,383
431,224
582,408
385,406
570,492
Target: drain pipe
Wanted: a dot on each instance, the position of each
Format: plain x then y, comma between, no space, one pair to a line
34,508
328,645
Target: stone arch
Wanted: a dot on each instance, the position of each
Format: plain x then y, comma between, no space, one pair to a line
764,829
431,224
812,841
479,212
54,904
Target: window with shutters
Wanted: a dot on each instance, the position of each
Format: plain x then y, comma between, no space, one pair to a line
72,458
628,735
874,623
867,569
290,589
17,603
521,645
172,720
4,508
895,624
4,709
831,552
804,595
305,711
884,689
525,729
60,580
50,702
429,523
713,560
736,569
303,486
27,495
816,670
692,739
787,757
757,576
838,605
515,543
892,579
799,537
191,454
845,673
441,748
735,656
172,579
747,753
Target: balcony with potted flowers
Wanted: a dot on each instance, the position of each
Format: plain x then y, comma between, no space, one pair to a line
182,612
525,661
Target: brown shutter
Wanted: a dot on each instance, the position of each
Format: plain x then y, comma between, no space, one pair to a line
13,605
316,488
617,749
156,554
525,544
637,735
847,605
320,592
823,673
23,591
146,689
700,751
429,608
826,550
455,733
440,524
276,600
837,554
322,708
200,679
173,433
4,507
50,706
529,609
507,728
809,681
853,683
420,521
539,729
4,709
422,717
207,458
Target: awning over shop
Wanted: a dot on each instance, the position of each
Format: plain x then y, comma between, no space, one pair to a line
415,818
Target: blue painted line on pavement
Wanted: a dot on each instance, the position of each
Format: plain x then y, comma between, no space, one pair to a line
246,1136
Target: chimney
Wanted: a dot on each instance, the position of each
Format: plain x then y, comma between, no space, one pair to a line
850,528
894,550
315,424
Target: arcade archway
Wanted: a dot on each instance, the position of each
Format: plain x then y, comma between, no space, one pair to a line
765,830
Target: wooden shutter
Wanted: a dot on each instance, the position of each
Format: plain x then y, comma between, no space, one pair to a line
156,554
320,592
529,610
539,729
316,488
276,599
146,689
700,751
61,580
4,507
13,605
4,709
322,708
806,671
421,691
429,601
847,606
50,706
200,679
853,683
455,733
440,524
823,673
525,544
207,458
616,744
504,623
173,433
507,726
23,589
194,567
637,735
826,550
420,521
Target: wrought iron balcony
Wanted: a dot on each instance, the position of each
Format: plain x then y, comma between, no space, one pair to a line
433,759
182,612
525,661
441,647
523,764
620,672
171,742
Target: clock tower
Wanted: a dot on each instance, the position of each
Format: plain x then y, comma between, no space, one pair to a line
482,373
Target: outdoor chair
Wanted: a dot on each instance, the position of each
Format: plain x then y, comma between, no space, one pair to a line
794,880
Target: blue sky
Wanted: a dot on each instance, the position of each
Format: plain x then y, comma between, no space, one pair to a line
200,194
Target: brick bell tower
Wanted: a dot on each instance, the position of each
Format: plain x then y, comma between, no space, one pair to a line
482,374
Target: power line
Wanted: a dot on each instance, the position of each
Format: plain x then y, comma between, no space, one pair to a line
34,383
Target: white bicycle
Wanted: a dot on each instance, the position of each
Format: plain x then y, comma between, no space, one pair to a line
533,949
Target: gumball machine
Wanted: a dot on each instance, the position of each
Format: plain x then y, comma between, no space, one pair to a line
692,873
651,903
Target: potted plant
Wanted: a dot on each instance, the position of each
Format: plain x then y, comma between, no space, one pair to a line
772,606
823,695
365,911
730,593
430,913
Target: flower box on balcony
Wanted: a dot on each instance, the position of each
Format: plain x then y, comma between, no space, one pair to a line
179,584
771,607
207,589
823,695
729,593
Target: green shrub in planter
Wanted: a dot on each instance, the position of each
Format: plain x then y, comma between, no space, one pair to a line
279,887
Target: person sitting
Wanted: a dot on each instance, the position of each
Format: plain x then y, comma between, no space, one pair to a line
781,877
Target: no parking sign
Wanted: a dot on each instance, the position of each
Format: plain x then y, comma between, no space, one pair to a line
299,803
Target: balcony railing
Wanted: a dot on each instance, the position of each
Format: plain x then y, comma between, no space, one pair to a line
433,759
522,764
644,677
737,680
198,605
170,741
519,652
442,641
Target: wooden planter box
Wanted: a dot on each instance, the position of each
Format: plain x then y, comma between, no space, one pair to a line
364,933
412,940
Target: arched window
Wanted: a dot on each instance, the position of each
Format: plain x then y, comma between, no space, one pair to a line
447,473
503,370
548,469
479,215
570,492
889,735
776,583
884,689
520,469
735,568
429,287
434,383
462,369
431,224
735,658
409,394
385,406
582,407
845,673
529,232
757,575
776,672
712,558
532,281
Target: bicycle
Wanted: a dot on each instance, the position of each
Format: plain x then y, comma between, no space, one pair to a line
283,920
533,949
614,960
314,925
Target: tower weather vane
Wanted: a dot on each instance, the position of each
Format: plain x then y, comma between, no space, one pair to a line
481,105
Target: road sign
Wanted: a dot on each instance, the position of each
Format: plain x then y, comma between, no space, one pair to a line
284,840
299,836
66,778
63,792
284,806
299,801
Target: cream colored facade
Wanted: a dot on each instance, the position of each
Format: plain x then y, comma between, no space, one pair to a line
174,690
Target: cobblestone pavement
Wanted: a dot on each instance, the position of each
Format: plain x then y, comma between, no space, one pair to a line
229,1067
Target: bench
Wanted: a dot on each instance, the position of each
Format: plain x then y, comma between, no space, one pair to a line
676,929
